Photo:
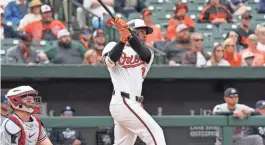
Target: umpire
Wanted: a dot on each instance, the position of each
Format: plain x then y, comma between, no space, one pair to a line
258,130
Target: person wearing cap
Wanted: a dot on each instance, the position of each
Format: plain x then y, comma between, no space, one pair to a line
23,53
247,59
259,59
239,111
257,130
15,11
177,47
85,37
99,41
215,13
33,15
128,62
65,50
157,35
180,17
244,30
47,28
6,30
66,136
260,31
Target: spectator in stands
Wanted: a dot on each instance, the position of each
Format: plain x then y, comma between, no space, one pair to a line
180,17
15,11
128,6
260,130
23,53
230,53
157,35
260,31
215,13
244,30
196,56
94,7
47,28
261,6
247,59
99,41
67,136
259,59
85,37
233,35
176,48
91,57
231,107
217,58
66,50
238,6
6,31
34,14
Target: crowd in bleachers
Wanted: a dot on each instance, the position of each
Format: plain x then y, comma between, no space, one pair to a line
187,32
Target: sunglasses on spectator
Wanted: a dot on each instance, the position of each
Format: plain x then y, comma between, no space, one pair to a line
254,39
198,40
230,45
218,50
247,18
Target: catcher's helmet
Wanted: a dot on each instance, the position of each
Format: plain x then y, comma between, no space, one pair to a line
23,98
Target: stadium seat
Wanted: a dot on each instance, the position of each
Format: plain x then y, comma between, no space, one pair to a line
205,28
134,16
227,27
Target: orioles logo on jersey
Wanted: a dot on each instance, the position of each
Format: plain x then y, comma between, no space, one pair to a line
130,61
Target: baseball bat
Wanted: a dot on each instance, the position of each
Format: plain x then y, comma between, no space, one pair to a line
110,13
106,8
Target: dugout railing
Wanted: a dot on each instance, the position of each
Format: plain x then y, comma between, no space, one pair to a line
165,121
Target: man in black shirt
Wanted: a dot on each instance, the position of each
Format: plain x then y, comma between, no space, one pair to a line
244,29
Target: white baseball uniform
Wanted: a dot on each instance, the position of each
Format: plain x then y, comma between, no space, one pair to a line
10,132
129,116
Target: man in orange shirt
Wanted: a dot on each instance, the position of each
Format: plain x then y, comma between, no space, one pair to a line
157,34
180,17
47,28
259,59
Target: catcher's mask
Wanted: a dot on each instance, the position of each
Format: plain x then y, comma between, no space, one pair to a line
24,98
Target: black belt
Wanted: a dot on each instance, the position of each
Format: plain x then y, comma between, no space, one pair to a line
127,95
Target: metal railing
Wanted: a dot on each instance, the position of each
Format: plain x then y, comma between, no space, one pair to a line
227,123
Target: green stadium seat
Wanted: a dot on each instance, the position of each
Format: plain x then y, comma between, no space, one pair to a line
259,18
162,17
167,7
205,28
134,16
227,27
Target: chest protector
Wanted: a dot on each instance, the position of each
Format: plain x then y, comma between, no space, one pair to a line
22,139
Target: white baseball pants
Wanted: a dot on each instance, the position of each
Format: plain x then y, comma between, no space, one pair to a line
131,120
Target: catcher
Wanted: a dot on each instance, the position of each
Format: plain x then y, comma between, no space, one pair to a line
22,127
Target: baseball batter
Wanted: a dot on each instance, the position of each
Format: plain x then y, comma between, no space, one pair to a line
128,62
22,127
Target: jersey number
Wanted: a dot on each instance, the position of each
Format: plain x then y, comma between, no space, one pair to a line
143,71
